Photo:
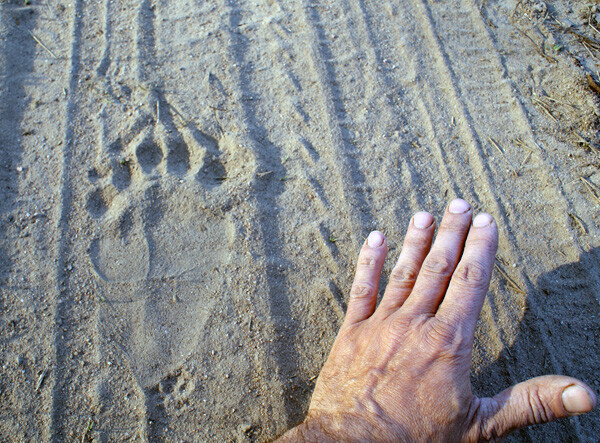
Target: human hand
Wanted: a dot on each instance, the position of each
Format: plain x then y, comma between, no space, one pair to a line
401,371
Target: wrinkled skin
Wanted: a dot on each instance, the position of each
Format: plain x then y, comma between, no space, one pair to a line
400,371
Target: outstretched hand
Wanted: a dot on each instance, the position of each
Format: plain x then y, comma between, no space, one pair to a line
400,370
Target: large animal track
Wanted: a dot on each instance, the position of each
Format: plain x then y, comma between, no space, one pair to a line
157,216
163,234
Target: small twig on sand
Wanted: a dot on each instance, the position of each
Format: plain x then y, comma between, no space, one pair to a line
511,283
588,50
544,107
527,157
495,145
41,379
535,45
552,99
590,22
42,44
590,42
592,189
87,430
593,84
583,142
521,144
23,8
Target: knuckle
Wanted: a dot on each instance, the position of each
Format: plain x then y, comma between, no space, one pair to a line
398,324
396,329
537,409
403,324
489,431
438,265
415,241
367,261
442,332
392,331
472,273
362,291
457,226
450,340
489,425
403,276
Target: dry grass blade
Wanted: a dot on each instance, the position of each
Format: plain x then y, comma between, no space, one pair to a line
42,44
586,144
552,99
41,379
593,27
495,145
592,189
590,42
521,144
22,8
524,34
88,429
587,48
513,284
527,157
544,107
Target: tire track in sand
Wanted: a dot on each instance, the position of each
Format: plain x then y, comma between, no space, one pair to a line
335,115
383,154
70,411
31,98
280,356
328,137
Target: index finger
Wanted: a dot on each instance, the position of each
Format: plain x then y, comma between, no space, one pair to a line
471,279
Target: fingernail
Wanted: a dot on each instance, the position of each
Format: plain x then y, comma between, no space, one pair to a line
482,220
459,206
375,239
422,220
577,400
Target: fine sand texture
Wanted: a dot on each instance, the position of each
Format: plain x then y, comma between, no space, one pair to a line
185,186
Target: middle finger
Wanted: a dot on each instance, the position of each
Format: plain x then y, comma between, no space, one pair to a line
440,263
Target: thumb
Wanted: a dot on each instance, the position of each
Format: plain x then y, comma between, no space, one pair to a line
535,401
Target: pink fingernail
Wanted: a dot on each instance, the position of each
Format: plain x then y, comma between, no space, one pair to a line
482,220
577,400
458,206
375,239
422,220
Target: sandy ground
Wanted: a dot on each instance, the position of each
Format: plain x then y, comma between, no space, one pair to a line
185,185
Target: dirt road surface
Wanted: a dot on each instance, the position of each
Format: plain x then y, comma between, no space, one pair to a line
185,185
